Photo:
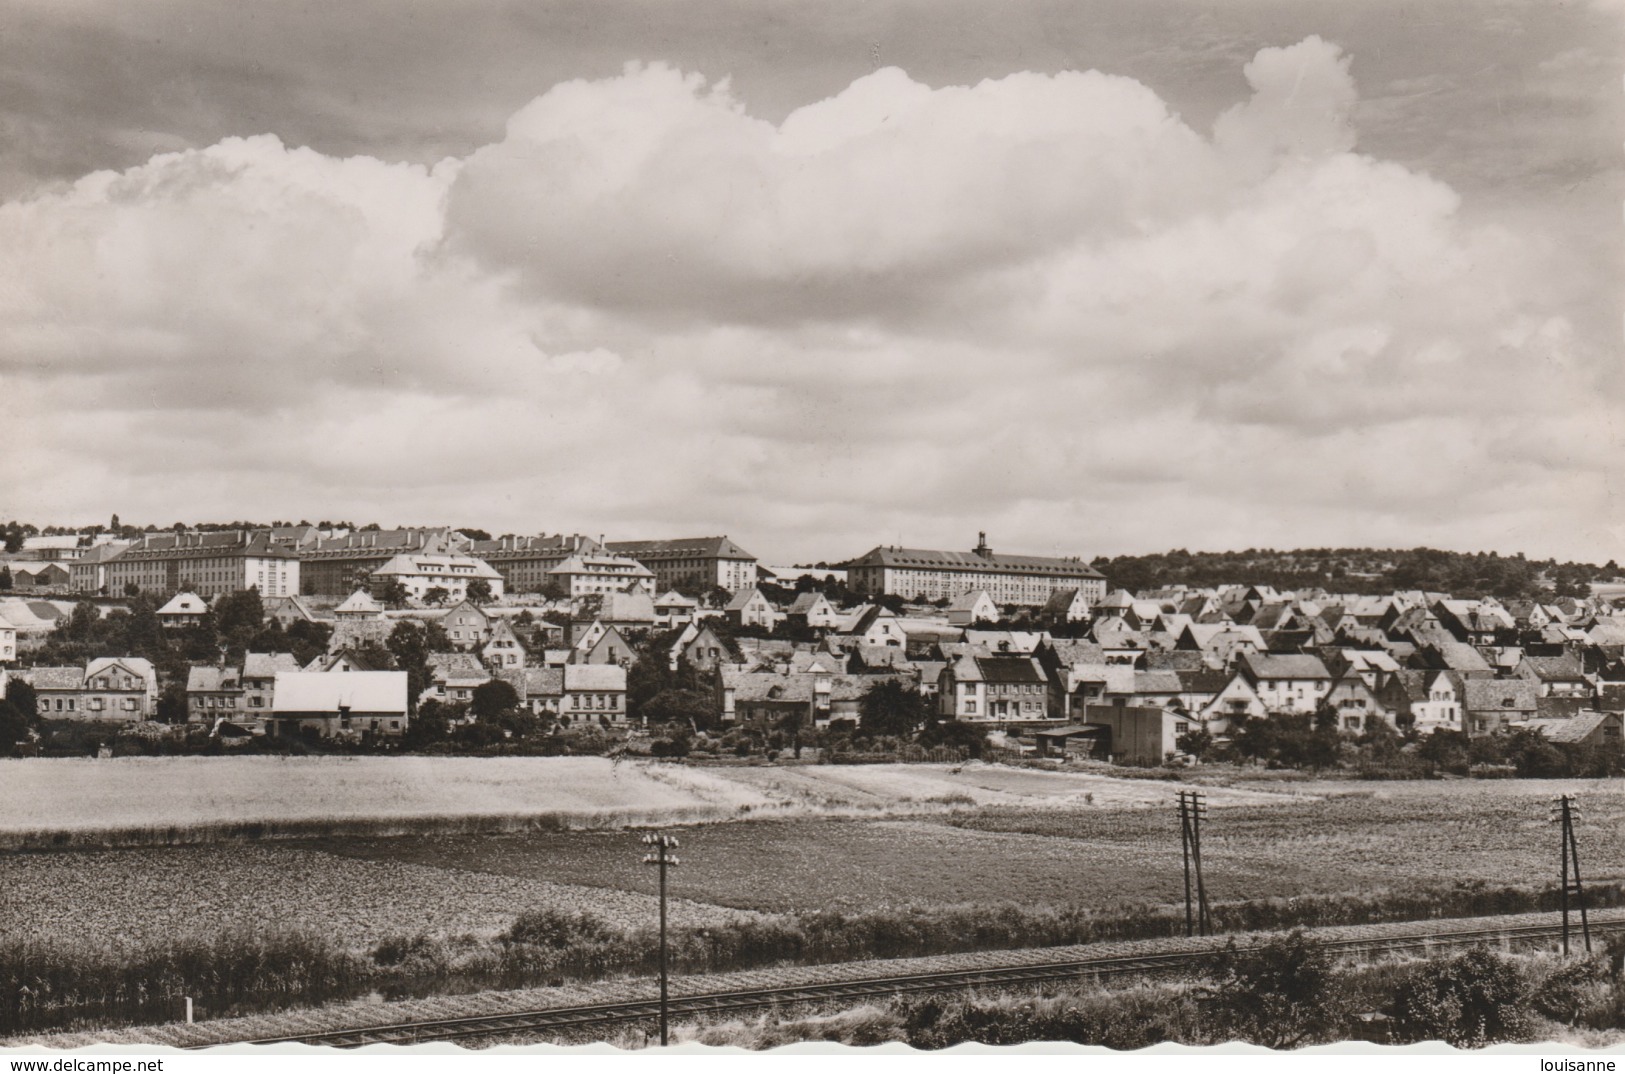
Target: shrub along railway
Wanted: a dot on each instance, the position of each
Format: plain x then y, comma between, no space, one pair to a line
1368,942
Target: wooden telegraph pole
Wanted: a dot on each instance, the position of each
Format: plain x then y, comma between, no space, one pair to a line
1191,811
1563,812
661,856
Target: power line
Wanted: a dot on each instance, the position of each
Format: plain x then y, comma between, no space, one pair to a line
661,856
1192,809
1563,813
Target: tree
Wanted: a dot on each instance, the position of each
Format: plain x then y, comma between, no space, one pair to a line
5,577
493,699
473,534
436,595
953,735
694,709
14,725
1474,999
479,591
22,697
172,704
388,590
239,613
1281,994
890,708
1197,742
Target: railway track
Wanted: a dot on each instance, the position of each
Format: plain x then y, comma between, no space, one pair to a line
1087,969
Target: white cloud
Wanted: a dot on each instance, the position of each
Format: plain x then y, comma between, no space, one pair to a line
1040,305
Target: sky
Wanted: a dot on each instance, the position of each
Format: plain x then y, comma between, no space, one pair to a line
1095,277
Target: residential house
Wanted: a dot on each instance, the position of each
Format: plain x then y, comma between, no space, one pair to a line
1286,682
453,678
121,688
1491,705
812,610
1556,676
503,651
873,624
259,680
286,611
541,690
971,608
1001,688
1602,730
1427,700
609,646
1472,622
214,692
339,704
8,640
627,612
767,699
1356,704
594,692
675,610
184,609
749,608
1067,605
467,626
700,647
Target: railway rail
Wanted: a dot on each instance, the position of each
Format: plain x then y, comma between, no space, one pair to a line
721,1002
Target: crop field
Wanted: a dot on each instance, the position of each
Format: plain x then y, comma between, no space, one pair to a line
1396,836
122,899
1033,838
170,800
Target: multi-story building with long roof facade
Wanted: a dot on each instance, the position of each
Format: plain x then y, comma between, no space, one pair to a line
525,562
209,564
693,562
338,566
939,575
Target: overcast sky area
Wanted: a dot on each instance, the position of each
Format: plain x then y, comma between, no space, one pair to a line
1095,277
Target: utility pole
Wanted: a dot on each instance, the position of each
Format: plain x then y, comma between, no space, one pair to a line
1563,813
1191,811
661,856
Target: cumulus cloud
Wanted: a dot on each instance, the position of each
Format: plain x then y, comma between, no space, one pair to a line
1042,305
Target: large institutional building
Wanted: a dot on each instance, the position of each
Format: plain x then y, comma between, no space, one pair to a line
526,563
693,562
934,575
338,566
207,563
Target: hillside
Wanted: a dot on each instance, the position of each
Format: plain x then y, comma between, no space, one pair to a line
1359,570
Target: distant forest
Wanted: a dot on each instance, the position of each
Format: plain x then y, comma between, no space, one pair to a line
1360,570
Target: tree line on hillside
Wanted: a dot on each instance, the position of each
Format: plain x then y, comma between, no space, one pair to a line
1359,570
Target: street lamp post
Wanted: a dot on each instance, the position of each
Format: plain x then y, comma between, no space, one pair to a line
661,856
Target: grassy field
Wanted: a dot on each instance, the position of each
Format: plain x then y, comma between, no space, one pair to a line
170,800
1396,836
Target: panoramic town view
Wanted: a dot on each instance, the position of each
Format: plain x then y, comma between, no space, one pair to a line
736,525
345,784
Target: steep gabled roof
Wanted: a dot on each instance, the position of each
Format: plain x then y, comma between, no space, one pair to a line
1263,666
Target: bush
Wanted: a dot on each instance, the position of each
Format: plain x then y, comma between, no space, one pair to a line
1281,994
1472,1000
